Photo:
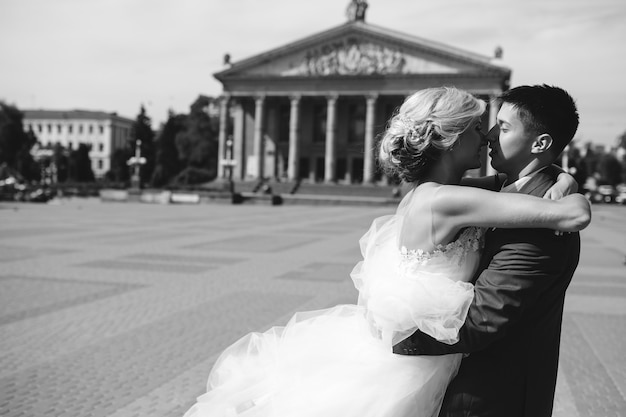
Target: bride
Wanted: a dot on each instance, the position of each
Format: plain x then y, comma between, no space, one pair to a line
415,274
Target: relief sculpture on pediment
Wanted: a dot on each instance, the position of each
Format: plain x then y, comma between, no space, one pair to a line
350,57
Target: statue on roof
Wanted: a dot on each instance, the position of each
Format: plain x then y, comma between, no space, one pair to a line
356,10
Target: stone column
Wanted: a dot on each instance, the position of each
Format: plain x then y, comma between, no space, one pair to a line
368,154
258,136
238,139
493,113
294,130
330,157
221,143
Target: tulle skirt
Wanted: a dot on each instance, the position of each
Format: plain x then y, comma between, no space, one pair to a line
326,363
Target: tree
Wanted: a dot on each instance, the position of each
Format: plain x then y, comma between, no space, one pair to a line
610,169
25,162
621,154
621,141
79,164
60,158
577,166
168,163
119,171
15,143
590,160
197,144
142,130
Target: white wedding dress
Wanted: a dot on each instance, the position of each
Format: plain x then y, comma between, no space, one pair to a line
339,362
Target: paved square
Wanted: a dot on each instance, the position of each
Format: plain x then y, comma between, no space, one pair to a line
120,310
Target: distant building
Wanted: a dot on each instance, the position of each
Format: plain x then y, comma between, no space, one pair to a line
104,132
313,108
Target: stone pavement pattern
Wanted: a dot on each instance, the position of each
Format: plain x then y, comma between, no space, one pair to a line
121,309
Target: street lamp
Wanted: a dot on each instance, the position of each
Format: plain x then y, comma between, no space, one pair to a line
135,163
229,163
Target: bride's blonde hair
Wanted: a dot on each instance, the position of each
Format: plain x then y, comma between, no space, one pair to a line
428,123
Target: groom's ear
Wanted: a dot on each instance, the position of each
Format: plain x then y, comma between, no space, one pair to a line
541,143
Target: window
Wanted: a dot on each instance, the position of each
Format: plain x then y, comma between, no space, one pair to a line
101,129
100,147
356,123
39,128
304,168
390,110
319,123
341,169
284,115
357,170
80,128
49,128
320,169
100,165
90,128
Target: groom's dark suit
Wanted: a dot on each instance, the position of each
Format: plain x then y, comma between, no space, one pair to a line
513,327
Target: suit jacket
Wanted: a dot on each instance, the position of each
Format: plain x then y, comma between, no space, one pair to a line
513,328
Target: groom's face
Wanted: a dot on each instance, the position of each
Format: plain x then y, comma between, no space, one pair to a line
510,149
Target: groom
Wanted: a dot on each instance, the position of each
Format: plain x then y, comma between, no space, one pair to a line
513,327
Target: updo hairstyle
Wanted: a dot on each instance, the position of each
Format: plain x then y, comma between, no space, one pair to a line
428,123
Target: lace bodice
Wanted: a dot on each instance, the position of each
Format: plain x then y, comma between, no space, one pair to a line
404,290
470,240
457,259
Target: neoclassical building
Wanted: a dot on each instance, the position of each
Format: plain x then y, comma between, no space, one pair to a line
312,109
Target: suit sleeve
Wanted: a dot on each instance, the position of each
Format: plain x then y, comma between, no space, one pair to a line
517,276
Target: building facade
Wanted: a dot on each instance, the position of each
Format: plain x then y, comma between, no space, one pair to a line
313,109
103,132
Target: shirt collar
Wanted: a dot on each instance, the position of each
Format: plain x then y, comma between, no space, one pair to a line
516,186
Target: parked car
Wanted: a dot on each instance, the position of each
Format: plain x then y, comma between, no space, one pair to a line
604,194
26,193
621,194
40,195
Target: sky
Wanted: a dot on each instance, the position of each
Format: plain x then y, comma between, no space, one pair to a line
115,55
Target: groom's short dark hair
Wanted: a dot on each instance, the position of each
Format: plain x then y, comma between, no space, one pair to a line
545,109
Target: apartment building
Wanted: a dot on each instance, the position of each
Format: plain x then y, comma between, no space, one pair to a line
104,132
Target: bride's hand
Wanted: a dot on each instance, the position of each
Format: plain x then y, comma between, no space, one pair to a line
565,185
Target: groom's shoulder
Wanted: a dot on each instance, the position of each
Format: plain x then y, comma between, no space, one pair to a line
547,241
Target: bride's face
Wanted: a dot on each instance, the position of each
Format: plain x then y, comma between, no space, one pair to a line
468,146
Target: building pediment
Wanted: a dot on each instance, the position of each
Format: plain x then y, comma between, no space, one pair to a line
361,49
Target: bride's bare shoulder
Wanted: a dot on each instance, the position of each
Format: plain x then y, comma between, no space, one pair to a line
456,199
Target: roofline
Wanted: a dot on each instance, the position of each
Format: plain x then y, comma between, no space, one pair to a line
368,28
73,114
434,45
470,74
281,50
